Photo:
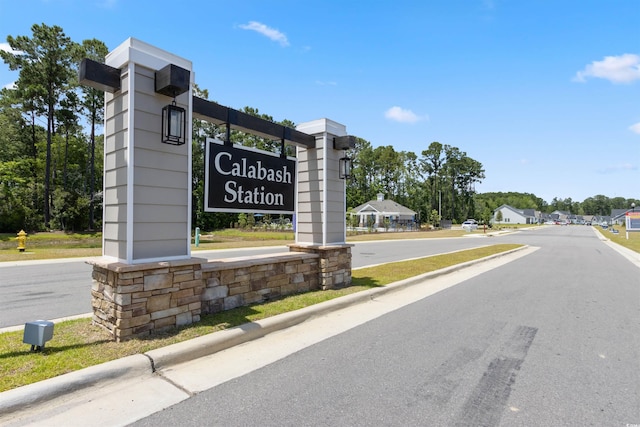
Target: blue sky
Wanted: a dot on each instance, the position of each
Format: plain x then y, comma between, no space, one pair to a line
545,93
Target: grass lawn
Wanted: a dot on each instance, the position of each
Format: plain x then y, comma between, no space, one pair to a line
620,238
78,343
68,245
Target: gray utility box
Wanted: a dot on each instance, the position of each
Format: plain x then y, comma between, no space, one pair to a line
37,333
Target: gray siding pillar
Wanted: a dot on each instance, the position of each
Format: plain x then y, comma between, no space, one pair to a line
321,205
147,184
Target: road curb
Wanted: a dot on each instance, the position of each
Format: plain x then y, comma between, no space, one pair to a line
629,254
152,361
30,395
210,344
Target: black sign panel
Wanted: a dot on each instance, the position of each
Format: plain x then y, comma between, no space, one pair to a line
243,179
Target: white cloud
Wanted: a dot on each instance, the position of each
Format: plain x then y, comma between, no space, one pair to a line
622,167
635,128
404,116
617,69
322,83
269,32
5,47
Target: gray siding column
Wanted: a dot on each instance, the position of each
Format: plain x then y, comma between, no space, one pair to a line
147,184
321,203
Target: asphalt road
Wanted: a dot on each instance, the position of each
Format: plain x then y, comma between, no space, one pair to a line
549,339
48,290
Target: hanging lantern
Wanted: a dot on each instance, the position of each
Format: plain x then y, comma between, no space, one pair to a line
174,124
345,167
345,164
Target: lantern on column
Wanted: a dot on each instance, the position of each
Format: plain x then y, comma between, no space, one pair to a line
173,81
174,124
345,167
345,164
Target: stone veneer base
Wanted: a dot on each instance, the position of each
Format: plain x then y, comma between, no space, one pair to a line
131,300
335,263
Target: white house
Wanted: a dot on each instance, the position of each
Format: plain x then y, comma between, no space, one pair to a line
511,215
381,213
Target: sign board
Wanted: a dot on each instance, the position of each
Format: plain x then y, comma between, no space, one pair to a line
244,179
633,221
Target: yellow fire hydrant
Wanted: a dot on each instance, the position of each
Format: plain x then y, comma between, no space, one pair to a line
22,240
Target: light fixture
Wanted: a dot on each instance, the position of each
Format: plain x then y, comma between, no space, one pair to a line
174,124
345,167
173,81
345,164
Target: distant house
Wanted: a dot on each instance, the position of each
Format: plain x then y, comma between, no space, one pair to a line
568,217
511,215
600,219
381,213
561,215
618,216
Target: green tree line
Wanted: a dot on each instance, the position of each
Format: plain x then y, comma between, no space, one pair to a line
51,156
48,172
600,205
441,178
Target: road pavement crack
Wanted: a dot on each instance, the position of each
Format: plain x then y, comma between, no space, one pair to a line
170,381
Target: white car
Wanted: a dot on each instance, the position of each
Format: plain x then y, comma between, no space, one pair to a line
470,225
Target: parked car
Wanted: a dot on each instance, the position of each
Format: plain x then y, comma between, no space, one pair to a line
470,225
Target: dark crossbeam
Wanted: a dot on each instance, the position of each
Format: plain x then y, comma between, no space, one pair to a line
104,77
221,115
99,76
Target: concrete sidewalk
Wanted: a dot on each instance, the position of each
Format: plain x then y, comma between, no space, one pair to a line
125,390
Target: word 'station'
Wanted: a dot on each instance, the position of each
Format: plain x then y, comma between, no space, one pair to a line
243,179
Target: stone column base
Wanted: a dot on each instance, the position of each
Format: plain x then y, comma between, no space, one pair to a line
134,300
335,263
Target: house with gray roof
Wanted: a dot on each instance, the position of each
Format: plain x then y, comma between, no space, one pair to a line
618,216
383,213
511,215
560,215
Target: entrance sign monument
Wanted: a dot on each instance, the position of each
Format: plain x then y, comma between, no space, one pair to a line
251,180
146,279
